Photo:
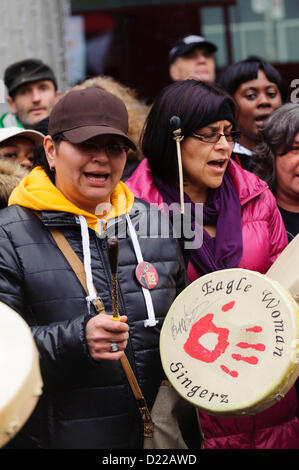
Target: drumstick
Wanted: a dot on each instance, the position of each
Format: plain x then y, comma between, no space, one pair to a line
113,252
175,123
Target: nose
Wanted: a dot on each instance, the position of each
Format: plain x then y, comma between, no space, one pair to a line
27,162
223,143
36,96
200,58
263,100
99,154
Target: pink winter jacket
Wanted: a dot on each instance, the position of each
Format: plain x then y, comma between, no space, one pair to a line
264,237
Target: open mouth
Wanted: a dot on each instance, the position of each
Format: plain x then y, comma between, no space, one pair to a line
96,177
259,120
217,163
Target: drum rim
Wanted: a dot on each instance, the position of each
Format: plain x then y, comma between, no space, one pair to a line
283,382
25,393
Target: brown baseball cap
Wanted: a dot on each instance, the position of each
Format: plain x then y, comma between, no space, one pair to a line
82,114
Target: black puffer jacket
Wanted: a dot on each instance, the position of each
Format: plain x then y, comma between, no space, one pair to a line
84,404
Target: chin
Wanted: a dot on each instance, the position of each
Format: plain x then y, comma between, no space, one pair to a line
254,135
215,184
34,120
203,78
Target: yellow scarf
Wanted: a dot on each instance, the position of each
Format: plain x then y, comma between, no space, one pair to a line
37,192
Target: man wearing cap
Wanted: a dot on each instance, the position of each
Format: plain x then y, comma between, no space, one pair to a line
192,57
32,93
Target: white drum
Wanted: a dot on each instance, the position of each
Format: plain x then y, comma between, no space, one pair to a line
20,378
229,342
285,269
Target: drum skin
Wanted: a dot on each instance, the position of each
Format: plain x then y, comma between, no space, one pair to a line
21,382
285,269
230,341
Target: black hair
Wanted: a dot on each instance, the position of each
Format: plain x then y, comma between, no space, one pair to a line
40,158
246,70
277,134
197,104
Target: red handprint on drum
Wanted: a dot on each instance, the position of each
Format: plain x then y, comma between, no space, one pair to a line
205,325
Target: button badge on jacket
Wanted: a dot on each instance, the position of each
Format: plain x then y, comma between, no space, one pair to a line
147,275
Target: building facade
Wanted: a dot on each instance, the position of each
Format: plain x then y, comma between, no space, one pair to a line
130,39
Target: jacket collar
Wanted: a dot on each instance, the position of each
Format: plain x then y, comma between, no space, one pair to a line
247,184
67,220
59,219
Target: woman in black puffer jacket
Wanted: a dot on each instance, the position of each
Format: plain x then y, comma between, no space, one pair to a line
87,402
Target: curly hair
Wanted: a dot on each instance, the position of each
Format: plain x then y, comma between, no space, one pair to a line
137,111
11,173
277,134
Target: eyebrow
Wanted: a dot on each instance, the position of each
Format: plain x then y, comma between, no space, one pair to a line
8,145
38,83
216,128
272,85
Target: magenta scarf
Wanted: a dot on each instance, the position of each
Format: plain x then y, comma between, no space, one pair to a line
223,209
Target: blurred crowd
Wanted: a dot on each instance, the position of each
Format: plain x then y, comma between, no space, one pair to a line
255,85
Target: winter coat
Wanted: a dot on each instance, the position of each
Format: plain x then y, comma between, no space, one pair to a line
264,237
9,119
11,174
85,404
263,232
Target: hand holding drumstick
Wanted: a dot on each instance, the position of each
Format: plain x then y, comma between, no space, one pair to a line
107,338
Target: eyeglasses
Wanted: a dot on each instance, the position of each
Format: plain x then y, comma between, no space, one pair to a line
214,137
112,149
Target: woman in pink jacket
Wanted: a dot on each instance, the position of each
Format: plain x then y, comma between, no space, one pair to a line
242,226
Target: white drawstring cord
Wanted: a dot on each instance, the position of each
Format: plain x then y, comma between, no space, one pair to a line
87,262
151,320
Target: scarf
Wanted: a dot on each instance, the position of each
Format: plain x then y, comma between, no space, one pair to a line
37,192
223,209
